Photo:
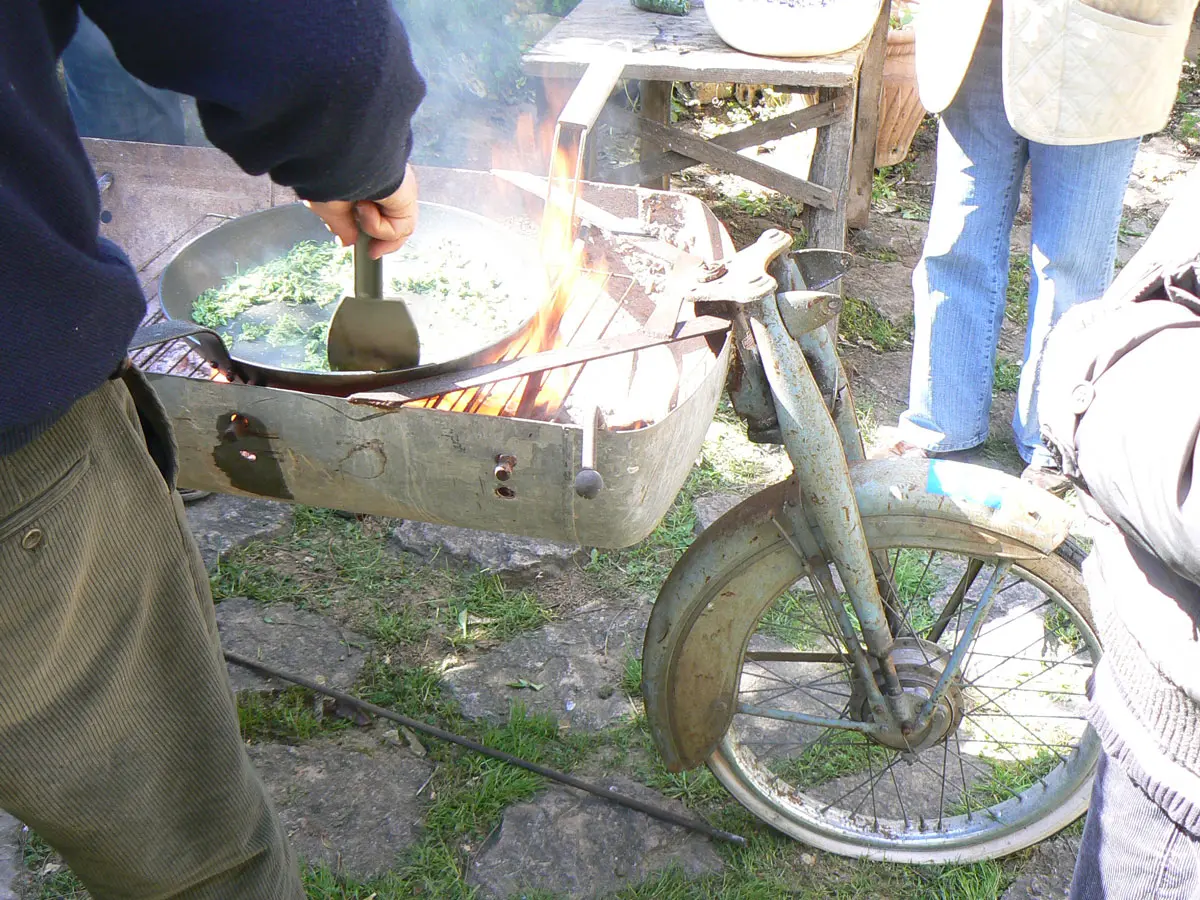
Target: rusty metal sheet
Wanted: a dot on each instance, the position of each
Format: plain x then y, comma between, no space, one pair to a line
435,466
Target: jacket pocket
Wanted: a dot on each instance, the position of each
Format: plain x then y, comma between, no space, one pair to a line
1126,16
1144,12
16,521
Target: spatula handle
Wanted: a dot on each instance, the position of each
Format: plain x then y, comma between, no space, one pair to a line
368,273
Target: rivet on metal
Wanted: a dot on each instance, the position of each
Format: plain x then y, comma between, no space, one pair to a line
505,463
710,272
33,539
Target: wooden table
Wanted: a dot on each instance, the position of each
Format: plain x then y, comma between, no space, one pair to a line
660,50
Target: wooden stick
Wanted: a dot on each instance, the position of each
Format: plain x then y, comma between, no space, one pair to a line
810,117
728,161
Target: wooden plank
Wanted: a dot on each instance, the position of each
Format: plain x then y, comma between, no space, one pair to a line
674,48
805,192
866,127
655,110
751,136
831,168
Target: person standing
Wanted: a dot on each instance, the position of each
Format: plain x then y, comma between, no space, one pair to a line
1067,88
119,739
1122,415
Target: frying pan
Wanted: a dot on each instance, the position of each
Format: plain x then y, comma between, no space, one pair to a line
260,237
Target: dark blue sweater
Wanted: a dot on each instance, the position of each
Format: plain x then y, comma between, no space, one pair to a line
317,93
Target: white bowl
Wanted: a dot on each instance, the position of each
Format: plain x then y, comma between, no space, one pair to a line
792,28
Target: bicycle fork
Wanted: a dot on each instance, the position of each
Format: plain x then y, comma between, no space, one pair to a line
818,435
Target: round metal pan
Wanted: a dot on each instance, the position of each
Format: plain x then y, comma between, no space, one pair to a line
257,238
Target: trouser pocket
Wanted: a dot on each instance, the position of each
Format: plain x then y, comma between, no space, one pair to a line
156,425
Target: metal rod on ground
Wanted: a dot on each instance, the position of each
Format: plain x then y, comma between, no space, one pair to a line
655,812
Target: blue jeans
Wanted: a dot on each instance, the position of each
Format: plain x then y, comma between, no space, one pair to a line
107,102
1130,848
961,281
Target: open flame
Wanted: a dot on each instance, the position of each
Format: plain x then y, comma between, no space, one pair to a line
541,396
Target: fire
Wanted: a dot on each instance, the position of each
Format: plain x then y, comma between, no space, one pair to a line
570,282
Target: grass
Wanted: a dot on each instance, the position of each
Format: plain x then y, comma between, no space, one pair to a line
631,676
1007,779
291,716
1017,297
1007,376
329,563
819,763
758,204
1058,623
54,880
862,323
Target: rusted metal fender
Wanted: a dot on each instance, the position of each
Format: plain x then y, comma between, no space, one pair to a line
708,606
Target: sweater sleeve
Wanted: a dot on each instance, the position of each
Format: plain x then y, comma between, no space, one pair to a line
319,95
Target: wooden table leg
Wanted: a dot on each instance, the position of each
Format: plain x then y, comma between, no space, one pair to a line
831,169
655,107
870,88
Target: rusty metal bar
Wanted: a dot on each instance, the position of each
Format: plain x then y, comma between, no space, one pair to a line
649,809
813,444
535,363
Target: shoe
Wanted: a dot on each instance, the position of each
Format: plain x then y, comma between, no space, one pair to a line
187,495
1051,480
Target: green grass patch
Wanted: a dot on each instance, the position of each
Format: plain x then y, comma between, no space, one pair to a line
332,563
1059,624
54,881
824,761
1008,778
631,676
1017,296
291,716
1007,376
862,323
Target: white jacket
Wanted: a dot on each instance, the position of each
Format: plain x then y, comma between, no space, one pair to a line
1075,71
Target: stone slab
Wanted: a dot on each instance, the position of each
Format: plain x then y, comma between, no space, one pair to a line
578,662
570,844
12,865
503,554
288,638
351,804
221,523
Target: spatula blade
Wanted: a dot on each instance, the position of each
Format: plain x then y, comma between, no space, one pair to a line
367,332
370,335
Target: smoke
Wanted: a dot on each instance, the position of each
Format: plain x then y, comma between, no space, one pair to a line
470,54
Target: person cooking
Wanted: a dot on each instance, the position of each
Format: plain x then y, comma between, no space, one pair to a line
119,738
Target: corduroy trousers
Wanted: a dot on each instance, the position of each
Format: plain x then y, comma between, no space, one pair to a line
119,737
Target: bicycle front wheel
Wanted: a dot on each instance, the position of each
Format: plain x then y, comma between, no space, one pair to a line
1012,758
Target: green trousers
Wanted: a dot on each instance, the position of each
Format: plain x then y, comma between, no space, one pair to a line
119,737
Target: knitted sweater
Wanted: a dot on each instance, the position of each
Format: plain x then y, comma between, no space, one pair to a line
318,95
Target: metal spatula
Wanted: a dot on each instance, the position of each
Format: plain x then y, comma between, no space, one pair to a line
369,333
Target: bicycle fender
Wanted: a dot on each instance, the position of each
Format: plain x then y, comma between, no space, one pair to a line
691,659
